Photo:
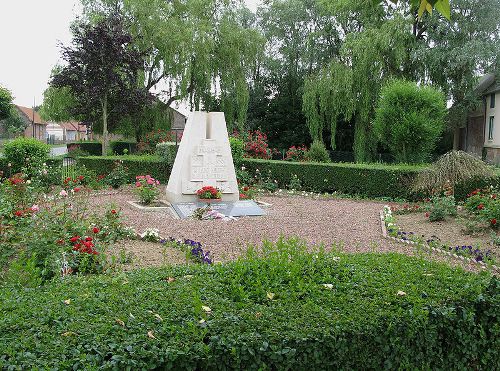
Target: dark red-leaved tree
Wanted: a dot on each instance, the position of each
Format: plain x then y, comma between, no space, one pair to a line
102,72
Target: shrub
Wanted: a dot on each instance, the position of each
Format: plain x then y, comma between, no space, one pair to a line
84,148
256,145
136,165
452,169
409,120
150,140
441,207
237,150
26,153
281,309
167,151
317,152
296,154
118,176
146,187
122,147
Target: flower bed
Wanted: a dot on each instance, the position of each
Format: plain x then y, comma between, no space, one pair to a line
391,230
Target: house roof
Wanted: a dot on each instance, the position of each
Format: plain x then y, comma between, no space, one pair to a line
73,126
31,115
488,84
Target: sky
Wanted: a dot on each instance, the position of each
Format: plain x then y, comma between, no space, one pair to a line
30,32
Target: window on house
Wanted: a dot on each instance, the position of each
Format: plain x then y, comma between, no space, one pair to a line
492,100
490,128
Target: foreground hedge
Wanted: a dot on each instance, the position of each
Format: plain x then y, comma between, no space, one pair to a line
136,165
272,313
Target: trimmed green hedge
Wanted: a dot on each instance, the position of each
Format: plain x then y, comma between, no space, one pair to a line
118,146
271,313
373,180
92,148
368,180
136,165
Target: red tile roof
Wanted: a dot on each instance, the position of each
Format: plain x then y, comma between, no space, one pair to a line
31,116
73,126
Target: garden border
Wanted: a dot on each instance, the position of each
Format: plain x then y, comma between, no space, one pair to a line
427,246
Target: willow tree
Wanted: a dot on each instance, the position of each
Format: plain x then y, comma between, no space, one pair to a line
197,51
348,88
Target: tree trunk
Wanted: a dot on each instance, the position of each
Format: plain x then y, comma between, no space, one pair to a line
105,125
456,139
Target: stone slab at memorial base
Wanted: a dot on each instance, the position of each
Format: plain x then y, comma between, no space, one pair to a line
203,159
239,208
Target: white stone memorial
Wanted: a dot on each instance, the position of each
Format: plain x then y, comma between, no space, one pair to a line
203,159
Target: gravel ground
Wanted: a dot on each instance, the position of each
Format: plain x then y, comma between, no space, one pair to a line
352,225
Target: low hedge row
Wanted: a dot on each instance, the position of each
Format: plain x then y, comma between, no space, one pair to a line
136,165
368,180
372,180
285,310
95,148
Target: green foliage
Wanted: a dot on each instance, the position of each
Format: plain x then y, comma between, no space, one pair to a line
390,181
409,120
136,165
146,187
237,150
27,153
452,169
84,148
118,176
167,151
14,124
441,207
59,104
5,103
317,153
122,147
282,308
348,88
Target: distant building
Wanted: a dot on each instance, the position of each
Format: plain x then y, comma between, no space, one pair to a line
35,126
481,135
73,131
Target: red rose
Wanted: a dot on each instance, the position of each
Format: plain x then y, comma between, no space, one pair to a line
245,189
76,189
493,221
95,230
480,207
88,239
426,215
113,211
81,177
74,239
493,196
18,213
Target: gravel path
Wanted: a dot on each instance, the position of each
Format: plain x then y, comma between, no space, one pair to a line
352,225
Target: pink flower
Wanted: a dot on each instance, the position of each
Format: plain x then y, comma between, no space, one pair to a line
35,208
63,193
150,181
137,184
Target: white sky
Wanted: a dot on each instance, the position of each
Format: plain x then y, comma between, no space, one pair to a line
30,31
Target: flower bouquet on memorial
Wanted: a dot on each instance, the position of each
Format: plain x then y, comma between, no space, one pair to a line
209,193
146,187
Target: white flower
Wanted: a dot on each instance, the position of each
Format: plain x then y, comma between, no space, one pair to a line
243,168
63,193
35,208
28,181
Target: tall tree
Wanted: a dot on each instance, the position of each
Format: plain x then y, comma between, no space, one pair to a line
199,51
5,103
102,72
